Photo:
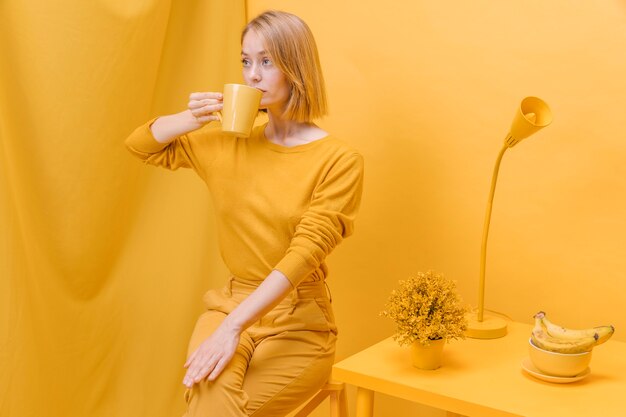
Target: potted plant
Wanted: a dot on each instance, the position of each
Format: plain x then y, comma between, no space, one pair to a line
428,312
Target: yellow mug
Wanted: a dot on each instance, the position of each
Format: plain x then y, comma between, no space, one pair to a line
241,106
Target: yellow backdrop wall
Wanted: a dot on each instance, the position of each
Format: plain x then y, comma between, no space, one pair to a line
103,261
427,90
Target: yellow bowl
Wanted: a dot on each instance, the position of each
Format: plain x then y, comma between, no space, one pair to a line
558,364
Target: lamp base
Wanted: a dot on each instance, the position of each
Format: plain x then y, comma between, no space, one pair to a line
490,328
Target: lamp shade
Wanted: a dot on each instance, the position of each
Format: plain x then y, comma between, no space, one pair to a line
533,114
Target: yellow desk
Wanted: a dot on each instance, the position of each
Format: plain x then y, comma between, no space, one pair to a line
485,378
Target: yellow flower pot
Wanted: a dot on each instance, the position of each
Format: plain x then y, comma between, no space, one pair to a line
427,356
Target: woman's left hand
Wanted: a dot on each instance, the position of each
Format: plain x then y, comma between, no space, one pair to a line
212,356
217,350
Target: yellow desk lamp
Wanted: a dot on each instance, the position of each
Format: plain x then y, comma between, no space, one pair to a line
533,114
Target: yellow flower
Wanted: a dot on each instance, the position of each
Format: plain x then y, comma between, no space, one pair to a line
426,307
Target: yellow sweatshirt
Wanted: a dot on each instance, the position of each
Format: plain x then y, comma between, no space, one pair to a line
283,208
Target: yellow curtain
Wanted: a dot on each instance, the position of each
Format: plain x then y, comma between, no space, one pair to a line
103,260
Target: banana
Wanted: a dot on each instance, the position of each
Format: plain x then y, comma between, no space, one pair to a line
543,340
604,333
600,333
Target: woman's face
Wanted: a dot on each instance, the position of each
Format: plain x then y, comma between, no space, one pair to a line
260,72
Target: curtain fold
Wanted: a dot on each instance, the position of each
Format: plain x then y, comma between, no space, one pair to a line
103,260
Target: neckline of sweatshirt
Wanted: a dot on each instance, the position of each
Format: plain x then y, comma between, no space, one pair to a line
259,131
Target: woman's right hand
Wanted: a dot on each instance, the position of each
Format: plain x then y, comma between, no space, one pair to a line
203,106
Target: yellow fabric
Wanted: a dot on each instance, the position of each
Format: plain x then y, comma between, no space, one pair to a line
277,207
95,305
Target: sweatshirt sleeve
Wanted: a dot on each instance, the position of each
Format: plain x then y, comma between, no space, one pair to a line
328,220
182,152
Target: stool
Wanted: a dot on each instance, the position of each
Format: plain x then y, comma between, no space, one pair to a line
338,400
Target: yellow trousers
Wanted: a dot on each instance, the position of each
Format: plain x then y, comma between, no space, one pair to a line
281,360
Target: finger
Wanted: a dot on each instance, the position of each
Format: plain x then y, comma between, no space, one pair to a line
188,382
189,379
206,110
197,104
207,119
202,374
217,370
202,362
205,95
191,358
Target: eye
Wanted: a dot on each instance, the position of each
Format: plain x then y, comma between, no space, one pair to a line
245,62
267,61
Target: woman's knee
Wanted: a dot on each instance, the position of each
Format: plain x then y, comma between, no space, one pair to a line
277,384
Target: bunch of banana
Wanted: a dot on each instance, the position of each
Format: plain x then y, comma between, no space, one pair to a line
554,338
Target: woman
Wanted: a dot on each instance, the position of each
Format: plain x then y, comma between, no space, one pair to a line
284,198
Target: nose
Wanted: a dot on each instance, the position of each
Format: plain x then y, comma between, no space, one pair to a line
255,73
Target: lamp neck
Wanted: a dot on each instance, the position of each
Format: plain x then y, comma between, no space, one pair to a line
510,141
483,250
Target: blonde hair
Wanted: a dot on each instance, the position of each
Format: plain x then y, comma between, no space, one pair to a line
290,43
